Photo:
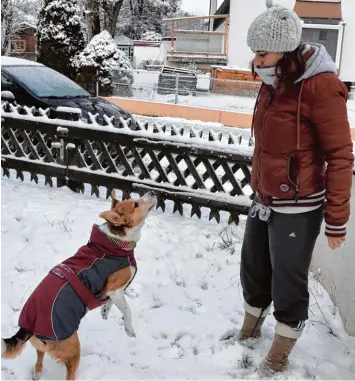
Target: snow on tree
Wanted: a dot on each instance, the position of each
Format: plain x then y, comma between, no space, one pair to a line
151,36
140,16
60,34
102,60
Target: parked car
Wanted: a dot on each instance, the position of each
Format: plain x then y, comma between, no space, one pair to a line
34,84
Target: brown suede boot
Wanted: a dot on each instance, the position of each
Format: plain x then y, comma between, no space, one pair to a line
251,327
277,358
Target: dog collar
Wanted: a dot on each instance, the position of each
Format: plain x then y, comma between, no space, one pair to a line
124,245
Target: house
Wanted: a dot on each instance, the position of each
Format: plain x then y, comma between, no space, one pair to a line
201,41
146,52
125,44
329,22
224,42
25,43
139,52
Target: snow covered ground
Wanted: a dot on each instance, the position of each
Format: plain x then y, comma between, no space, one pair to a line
185,297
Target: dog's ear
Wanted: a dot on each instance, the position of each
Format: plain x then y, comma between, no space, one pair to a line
112,217
114,199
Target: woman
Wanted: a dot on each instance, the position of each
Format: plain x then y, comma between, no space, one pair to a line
300,125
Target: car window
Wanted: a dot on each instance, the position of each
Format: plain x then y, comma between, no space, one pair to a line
6,83
45,82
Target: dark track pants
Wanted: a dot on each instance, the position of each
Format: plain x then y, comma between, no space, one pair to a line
275,260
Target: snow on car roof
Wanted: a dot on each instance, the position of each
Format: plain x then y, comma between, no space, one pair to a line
13,61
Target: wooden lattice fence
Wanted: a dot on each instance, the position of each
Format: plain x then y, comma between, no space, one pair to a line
196,167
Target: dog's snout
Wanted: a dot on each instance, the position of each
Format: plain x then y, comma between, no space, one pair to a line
150,197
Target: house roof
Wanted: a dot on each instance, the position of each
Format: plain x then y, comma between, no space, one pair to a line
146,43
121,39
318,9
224,9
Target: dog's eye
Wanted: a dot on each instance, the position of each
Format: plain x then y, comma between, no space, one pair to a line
136,204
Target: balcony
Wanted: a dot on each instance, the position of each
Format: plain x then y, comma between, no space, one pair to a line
202,40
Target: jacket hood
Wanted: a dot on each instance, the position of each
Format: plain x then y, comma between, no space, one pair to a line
319,62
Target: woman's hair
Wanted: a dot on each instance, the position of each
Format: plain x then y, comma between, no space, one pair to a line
289,68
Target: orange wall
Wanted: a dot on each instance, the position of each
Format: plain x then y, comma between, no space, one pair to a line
228,118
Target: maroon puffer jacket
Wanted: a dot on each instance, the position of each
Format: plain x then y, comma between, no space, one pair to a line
297,132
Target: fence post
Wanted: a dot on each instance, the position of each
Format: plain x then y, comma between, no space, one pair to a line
177,89
97,82
62,140
154,89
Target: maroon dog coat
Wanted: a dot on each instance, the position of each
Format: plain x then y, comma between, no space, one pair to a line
55,308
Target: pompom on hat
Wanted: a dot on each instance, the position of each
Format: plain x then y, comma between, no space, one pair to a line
278,29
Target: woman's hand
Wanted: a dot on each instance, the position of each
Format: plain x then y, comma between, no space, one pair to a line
335,242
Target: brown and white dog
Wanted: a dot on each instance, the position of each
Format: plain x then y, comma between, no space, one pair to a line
97,275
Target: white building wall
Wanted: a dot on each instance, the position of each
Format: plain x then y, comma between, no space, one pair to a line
347,66
146,53
336,270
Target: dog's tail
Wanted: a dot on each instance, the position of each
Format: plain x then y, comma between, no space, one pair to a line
12,347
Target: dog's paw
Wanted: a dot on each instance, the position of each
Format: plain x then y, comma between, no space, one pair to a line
36,376
105,311
130,332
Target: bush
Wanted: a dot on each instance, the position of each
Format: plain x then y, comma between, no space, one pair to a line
102,61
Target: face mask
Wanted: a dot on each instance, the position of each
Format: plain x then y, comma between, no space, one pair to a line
267,74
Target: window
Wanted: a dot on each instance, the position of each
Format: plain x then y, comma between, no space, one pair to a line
326,37
323,35
128,50
45,82
18,46
6,83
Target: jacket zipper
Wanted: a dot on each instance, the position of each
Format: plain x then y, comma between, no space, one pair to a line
295,184
261,142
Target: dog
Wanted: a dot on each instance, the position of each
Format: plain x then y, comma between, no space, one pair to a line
97,275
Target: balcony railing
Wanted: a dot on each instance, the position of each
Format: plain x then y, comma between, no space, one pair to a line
198,36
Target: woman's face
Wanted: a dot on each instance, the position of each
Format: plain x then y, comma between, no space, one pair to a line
266,59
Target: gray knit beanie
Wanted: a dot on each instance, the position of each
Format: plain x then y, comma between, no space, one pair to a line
278,29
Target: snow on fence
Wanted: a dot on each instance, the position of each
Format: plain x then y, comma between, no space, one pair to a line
195,168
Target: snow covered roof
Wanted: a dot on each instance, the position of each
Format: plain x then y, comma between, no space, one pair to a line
27,25
28,21
121,39
13,61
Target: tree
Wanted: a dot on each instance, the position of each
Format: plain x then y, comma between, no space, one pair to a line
111,11
92,18
151,36
101,60
140,16
60,34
